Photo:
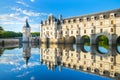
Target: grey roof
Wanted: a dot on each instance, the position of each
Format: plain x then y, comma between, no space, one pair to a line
106,13
26,24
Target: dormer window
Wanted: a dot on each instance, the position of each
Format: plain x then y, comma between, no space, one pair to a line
74,20
80,20
112,15
68,21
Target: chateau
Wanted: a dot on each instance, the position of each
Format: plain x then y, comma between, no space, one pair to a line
73,29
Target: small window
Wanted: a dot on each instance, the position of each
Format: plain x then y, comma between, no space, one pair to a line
111,59
112,22
100,65
101,58
91,31
80,20
101,23
92,24
71,32
84,25
68,21
76,31
111,29
84,62
101,30
74,20
84,56
77,25
91,57
71,26
112,67
84,31
71,54
66,32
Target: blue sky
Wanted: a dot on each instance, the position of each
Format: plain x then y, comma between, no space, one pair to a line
14,12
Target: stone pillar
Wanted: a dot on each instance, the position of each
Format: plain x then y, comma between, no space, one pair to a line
93,39
78,39
112,39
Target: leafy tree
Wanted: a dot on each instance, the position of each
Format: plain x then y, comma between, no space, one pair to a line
1,29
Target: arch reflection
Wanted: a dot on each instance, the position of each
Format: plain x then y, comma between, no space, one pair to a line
72,57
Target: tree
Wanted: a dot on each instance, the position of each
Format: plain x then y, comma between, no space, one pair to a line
1,29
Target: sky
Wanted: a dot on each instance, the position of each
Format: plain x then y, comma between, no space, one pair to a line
14,12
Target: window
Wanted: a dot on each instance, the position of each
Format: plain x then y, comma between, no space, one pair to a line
66,32
61,32
71,32
71,26
84,31
84,25
112,59
100,65
76,31
101,30
112,22
84,56
91,31
101,23
74,20
101,58
80,20
84,62
92,24
91,57
112,67
68,21
76,55
111,29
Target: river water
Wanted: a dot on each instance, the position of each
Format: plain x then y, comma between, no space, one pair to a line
58,62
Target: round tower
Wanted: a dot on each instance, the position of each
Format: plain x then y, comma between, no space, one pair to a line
26,32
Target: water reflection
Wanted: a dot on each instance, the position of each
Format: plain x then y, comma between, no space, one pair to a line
59,60
26,52
75,58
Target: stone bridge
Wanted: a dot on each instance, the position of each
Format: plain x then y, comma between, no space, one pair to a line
74,29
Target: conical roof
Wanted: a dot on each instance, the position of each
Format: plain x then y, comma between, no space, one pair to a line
26,24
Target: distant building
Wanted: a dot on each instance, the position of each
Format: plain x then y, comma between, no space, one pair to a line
26,32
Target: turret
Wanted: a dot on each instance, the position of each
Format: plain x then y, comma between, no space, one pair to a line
26,32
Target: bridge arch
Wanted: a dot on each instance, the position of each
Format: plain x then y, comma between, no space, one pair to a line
102,42
72,39
103,39
118,44
85,43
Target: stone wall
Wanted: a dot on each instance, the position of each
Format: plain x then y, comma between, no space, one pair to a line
8,41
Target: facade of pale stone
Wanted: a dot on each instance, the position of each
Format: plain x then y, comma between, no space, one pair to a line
67,30
26,32
101,64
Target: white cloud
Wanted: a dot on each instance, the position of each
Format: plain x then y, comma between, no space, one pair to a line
23,3
28,13
32,0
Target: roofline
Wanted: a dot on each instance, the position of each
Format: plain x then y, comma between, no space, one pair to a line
97,13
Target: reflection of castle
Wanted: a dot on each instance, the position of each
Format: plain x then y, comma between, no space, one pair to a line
102,64
26,52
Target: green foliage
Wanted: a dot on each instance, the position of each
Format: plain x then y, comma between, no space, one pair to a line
35,33
1,29
10,34
103,41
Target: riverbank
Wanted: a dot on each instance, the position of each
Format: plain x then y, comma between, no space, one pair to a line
4,42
